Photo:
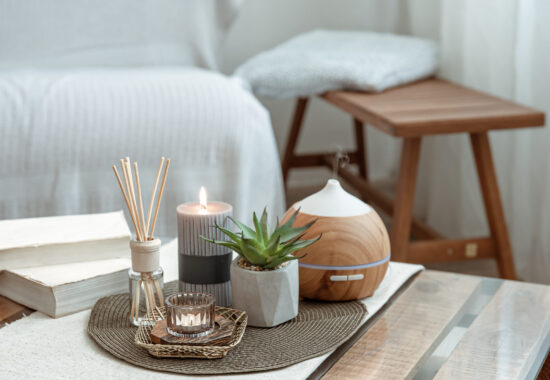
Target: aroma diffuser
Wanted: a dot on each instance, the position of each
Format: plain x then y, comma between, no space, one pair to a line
351,258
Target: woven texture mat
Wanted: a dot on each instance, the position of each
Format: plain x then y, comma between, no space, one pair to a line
319,328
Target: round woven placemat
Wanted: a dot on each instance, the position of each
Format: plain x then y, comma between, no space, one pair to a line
319,328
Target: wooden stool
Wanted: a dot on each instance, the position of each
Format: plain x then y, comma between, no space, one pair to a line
411,112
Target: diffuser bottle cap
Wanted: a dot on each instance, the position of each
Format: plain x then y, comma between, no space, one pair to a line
332,201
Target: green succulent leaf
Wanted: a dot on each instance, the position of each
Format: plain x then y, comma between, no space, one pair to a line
287,232
248,232
290,242
278,261
252,255
225,243
259,235
263,246
233,236
272,247
304,243
264,229
289,223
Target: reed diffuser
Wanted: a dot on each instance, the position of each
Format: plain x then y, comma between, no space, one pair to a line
146,275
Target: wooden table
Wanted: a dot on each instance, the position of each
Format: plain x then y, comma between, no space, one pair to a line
411,112
443,326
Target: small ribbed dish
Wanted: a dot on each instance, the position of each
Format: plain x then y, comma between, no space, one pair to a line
214,350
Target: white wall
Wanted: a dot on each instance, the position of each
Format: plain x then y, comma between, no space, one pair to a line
263,24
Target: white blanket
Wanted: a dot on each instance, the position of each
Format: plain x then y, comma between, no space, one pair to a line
113,33
40,347
323,60
62,130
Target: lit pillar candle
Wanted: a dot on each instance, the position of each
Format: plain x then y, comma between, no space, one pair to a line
203,266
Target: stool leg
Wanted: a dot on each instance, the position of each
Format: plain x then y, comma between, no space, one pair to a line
360,144
404,201
297,121
493,204
361,149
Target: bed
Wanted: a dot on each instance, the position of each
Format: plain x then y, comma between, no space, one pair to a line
68,114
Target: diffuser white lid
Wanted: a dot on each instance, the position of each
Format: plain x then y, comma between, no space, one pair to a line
332,201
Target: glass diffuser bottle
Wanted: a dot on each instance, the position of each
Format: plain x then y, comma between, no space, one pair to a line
146,279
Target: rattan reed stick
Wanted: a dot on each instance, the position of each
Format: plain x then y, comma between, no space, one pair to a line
161,191
133,308
147,296
135,302
151,293
131,210
153,197
133,194
159,292
124,194
142,216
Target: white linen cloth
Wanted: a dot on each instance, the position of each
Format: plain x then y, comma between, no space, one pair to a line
323,60
62,130
40,347
113,33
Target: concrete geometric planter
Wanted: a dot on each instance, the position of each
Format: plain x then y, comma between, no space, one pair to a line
268,297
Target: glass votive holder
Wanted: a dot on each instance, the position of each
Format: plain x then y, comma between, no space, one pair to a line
190,314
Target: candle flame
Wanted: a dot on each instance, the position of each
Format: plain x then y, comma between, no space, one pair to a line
202,199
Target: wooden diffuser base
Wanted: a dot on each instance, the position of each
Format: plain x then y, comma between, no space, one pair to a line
351,258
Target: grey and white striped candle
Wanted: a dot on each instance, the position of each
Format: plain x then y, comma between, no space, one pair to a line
204,267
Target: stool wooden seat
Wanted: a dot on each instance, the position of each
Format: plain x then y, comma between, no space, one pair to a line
429,107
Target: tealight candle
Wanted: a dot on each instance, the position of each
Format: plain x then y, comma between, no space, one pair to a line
190,314
203,266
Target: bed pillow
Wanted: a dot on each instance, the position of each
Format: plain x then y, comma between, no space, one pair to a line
113,33
323,60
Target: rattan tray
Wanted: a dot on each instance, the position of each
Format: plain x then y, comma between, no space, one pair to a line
214,351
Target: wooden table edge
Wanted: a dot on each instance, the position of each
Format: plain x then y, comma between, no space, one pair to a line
327,364
15,311
539,368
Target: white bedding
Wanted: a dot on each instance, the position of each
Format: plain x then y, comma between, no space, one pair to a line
113,33
62,130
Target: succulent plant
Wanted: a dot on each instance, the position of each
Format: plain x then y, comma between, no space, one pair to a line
263,246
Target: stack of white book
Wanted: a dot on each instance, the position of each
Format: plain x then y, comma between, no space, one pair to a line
61,265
